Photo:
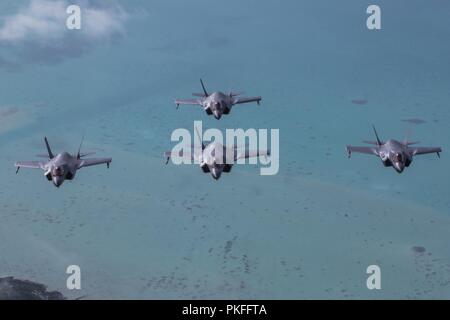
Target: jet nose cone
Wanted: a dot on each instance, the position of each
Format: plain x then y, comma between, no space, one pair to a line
217,114
399,167
58,182
215,173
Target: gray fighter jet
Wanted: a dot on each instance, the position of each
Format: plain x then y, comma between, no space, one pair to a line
217,103
393,153
62,166
213,157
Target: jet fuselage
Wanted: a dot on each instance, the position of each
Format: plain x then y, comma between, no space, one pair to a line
217,104
62,167
213,159
395,154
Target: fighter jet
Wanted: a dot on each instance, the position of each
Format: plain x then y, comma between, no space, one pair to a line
393,153
213,157
217,103
62,166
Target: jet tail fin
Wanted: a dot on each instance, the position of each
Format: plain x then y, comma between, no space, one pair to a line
371,142
376,135
49,150
41,155
201,95
204,90
236,93
79,149
201,140
407,142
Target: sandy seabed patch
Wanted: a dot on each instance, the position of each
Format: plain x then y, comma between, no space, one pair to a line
12,117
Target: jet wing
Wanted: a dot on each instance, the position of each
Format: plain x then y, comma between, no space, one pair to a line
94,162
250,154
30,164
247,100
201,95
425,150
184,155
367,150
179,102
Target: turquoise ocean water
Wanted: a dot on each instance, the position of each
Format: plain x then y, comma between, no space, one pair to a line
146,230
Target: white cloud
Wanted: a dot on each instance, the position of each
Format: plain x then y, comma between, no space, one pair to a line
103,22
41,19
41,25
